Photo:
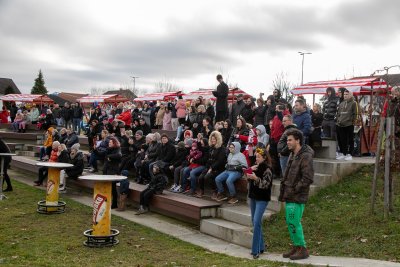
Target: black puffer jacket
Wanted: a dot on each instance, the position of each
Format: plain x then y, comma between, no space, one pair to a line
330,106
217,158
76,170
112,160
248,113
166,152
259,117
298,177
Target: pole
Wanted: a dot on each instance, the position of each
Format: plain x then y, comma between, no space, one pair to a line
392,151
387,167
377,156
302,68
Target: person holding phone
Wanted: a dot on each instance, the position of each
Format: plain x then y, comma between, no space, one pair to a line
259,177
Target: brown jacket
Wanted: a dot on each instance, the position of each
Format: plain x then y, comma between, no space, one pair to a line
298,177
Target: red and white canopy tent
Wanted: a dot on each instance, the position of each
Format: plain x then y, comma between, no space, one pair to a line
27,98
359,86
207,94
158,96
108,99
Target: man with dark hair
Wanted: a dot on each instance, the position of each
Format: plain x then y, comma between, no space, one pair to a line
329,110
295,187
346,117
77,112
222,99
248,111
302,118
283,150
237,109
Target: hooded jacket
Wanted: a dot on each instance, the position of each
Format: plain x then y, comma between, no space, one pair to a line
263,138
330,105
303,122
236,160
347,113
298,177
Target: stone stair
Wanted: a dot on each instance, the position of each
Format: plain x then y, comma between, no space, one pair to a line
233,222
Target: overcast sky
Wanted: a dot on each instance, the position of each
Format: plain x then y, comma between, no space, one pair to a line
82,44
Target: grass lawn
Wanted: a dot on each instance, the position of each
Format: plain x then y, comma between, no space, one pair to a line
337,222
31,239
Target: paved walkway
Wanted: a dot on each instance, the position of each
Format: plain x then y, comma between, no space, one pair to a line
186,233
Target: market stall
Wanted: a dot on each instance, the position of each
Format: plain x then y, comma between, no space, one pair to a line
207,94
27,98
362,89
158,96
107,99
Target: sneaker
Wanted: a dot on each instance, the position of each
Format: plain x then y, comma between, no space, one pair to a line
348,157
221,197
91,170
340,156
141,210
173,187
177,189
62,190
214,196
233,200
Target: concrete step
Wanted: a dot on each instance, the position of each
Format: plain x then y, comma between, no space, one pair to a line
27,153
30,147
226,230
276,187
322,179
240,214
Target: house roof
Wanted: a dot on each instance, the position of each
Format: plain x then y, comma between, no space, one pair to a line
5,82
122,92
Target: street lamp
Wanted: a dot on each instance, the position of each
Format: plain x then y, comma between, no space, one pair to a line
134,81
302,64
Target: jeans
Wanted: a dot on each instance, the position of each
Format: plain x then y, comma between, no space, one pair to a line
185,173
294,213
93,160
124,184
194,174
76,125
257,208
59,122
230,177
283,161
179,133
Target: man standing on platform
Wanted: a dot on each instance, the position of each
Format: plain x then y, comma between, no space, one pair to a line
329,113
222,99
346,118
295,187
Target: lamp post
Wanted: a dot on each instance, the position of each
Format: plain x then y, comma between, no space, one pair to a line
134,81
302,64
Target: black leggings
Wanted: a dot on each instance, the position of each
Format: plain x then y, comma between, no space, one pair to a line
345,137
145,196
208,176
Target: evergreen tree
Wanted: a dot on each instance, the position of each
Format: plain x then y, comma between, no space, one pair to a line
39,88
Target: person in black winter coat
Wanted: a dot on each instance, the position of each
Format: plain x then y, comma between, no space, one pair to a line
221,94
111,165
215,163
77,114
329,111
72,139
210,110
226,132
237,109
260,112
144,127
156,186
7,160
166,152
66,115
76,159
247,112
181,153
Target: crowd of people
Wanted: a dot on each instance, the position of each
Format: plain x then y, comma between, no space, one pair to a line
215,143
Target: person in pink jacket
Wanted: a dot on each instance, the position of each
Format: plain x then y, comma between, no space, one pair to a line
181,110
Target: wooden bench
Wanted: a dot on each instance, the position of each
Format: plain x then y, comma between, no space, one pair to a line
188,209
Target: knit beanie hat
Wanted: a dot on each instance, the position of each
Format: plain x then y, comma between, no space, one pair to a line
188,142
139,132
75,147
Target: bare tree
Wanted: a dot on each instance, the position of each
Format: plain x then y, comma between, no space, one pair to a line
166,86
282,83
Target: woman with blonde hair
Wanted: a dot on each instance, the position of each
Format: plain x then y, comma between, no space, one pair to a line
215,164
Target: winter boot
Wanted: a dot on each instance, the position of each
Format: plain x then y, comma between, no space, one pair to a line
301,253
122,202
290,253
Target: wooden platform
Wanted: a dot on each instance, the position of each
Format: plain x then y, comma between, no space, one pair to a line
188,209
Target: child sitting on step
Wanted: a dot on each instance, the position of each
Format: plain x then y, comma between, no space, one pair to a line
156,186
